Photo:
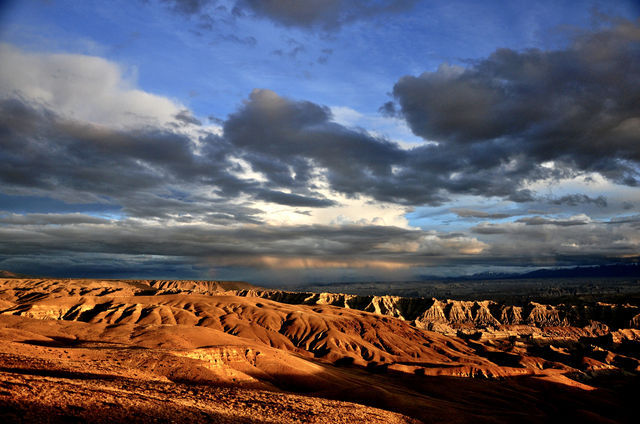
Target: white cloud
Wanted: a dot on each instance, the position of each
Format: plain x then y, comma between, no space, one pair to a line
81,87
347,211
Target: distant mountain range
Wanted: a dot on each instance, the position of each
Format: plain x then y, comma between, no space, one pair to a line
9,274
600,271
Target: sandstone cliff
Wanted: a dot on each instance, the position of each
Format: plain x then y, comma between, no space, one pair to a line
486,314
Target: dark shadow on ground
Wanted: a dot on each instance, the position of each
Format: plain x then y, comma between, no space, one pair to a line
521,399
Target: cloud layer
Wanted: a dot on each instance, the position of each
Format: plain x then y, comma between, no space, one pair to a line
279,184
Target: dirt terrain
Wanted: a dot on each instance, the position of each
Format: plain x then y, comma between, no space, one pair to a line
190,351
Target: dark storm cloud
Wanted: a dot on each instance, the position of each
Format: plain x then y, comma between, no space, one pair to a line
41,150
286,140
515,110
186,208
96,265
294,248
45,154
577,199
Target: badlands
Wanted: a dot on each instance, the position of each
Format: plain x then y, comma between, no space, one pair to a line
76,350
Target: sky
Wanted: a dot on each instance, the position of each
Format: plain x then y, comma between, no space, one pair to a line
285,142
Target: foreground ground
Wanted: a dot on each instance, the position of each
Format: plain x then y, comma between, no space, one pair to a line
146,351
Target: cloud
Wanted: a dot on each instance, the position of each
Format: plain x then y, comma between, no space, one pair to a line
323,14
311,247
324,57
577,199
309,14
493,228
470,213
51,219
96,265
148,172
287,141
76,130
293,199
171,166
232,38
185,117
513,111
189,7
96,136
537,220
281,184
633,220
83,88
335,245
293,50
388,109
540,241
291,148
42,150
